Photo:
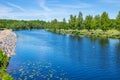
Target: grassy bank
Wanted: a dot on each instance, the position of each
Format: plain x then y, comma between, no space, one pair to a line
91,33
3,63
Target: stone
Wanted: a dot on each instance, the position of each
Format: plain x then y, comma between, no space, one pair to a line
8,42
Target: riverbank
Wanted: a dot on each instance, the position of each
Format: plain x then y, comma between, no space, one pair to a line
4,60
90,33
7,49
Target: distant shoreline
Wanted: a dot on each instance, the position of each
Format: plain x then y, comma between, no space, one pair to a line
90,33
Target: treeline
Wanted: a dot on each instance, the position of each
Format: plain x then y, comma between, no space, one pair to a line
76,22
22,24
102,22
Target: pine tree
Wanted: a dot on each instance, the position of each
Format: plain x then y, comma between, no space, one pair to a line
97,22
118,21
79,21
72,22
88,21
105,21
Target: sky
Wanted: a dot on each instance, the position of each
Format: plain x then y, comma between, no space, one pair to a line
49,9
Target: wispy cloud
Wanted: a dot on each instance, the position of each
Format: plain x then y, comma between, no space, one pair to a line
43,5
76,6
50,9
4,9
16,6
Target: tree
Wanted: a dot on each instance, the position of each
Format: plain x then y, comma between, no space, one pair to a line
87,22
105,21
118,21
64,24
54,24
72,22
79,21
97,21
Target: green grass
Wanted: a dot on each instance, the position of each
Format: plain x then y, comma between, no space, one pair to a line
3,63
91,33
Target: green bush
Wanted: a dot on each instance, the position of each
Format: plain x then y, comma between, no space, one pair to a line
3,63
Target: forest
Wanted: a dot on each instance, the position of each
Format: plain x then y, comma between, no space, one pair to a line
76,23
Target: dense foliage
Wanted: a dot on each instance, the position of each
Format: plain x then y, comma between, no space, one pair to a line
3,63
21,24
102,22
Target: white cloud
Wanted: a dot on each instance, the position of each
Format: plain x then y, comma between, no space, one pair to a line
43,5
30,14
76,6
50,10
55,10
4,10
16,6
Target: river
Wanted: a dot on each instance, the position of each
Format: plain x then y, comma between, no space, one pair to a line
42,55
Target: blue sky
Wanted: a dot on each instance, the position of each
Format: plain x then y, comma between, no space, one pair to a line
50,9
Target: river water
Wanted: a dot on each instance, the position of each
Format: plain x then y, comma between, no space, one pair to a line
42,55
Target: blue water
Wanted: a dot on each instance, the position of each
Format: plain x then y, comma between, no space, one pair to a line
42,55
